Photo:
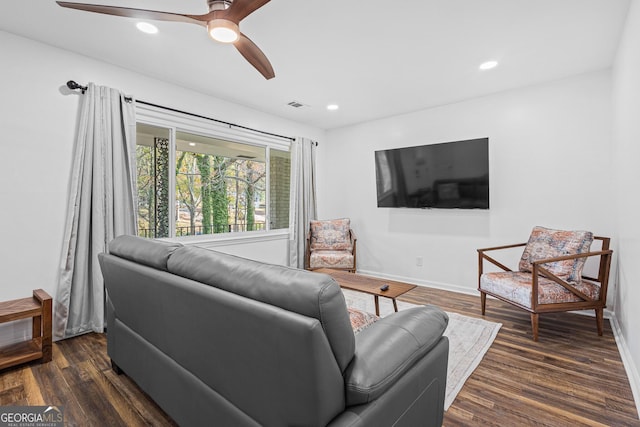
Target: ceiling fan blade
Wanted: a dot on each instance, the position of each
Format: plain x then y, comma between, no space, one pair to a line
255,56
240,9
137,13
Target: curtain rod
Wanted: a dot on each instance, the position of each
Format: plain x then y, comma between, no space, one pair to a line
74,86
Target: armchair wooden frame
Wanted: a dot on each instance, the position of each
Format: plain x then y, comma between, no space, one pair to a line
307,253
538,270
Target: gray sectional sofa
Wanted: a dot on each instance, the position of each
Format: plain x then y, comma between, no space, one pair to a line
218,340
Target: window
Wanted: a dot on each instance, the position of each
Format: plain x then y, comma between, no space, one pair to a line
193,183
280,173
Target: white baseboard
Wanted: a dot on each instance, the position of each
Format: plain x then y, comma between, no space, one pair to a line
414,281
625,355
627,361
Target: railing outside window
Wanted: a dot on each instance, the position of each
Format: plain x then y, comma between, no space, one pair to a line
200,230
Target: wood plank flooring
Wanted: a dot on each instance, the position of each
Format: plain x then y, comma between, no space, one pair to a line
571,377
80,379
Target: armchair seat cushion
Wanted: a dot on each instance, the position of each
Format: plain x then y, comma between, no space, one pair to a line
331,259
516,287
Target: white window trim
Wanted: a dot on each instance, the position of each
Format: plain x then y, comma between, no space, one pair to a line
225,239
175,121
183,122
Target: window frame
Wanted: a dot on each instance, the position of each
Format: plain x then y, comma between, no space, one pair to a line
175,122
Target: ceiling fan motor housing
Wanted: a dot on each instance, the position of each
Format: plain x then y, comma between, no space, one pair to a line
219,4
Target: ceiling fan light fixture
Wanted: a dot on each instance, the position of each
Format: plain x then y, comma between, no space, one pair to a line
223,31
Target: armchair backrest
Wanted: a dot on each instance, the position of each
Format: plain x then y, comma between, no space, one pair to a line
548,243
332,234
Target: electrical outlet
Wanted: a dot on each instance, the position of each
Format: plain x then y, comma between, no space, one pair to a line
419,261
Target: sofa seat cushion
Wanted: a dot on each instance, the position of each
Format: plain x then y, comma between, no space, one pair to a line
517,287
330,259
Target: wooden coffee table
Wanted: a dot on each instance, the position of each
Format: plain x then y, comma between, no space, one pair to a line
369,285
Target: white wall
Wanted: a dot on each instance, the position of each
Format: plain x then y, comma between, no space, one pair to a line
626,95
550,164
272,248
38,122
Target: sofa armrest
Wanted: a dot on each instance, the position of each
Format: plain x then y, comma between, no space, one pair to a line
387,349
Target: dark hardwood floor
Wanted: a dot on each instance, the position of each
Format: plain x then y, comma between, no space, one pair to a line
571,377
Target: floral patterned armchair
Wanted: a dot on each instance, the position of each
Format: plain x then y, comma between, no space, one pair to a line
331,244
549,276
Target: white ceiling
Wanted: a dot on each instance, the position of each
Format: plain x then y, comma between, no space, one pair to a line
374,58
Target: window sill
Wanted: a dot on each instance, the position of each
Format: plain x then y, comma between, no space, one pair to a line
222,239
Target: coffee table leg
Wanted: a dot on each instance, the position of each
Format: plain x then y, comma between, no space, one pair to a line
375,297
395,305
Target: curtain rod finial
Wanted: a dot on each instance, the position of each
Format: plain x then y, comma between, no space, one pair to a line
73,86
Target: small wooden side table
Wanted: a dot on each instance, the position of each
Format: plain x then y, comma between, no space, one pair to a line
38,308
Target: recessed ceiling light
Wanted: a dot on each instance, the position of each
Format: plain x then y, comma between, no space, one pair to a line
192,144
332,107
145,27
488,65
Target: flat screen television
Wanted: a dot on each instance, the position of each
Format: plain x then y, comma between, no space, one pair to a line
446,175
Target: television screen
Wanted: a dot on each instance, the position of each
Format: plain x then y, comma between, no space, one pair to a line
446,175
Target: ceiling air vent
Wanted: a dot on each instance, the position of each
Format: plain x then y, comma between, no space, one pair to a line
243,156
296,104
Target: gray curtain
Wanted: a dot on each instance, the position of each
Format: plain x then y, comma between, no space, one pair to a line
303,197
102,204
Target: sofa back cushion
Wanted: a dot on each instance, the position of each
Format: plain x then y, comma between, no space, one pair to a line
303,292
332,235
547,243
152,253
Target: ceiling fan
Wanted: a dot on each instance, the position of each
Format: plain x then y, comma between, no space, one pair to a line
222,23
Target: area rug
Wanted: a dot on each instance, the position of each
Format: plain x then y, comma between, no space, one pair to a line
469,339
